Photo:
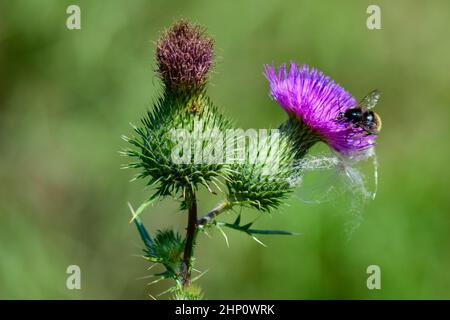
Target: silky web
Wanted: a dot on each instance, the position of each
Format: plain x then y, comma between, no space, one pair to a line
329,176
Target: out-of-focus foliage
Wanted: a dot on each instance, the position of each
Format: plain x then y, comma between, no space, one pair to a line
66,97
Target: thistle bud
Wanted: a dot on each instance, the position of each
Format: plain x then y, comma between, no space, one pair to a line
168,146
184,56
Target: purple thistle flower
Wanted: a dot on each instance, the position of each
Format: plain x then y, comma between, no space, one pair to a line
314,99
184,55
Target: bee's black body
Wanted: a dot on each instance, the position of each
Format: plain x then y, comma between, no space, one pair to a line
361,116
367,120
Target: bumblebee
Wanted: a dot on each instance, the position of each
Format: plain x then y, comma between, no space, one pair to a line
361,115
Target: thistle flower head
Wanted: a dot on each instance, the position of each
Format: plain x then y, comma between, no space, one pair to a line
184,55
264,184
317,102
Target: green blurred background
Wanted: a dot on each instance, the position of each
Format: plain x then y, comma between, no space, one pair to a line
66,97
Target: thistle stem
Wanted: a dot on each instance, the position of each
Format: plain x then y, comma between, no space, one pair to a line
213,213
191,234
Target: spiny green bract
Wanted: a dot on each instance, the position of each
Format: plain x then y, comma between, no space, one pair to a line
300,137
256,185
167,249
265,183
190,293
155,142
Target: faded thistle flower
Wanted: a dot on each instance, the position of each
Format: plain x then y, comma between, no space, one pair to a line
315,101
184,55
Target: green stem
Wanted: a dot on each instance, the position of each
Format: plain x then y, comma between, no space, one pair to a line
191,234
214,213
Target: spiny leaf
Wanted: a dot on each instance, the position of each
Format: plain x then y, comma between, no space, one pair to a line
223,234
238,220
145,236
278,232
141,208
246,228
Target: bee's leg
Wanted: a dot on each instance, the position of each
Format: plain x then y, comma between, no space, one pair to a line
340,118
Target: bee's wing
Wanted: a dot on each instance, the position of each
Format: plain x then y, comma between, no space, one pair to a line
370,101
